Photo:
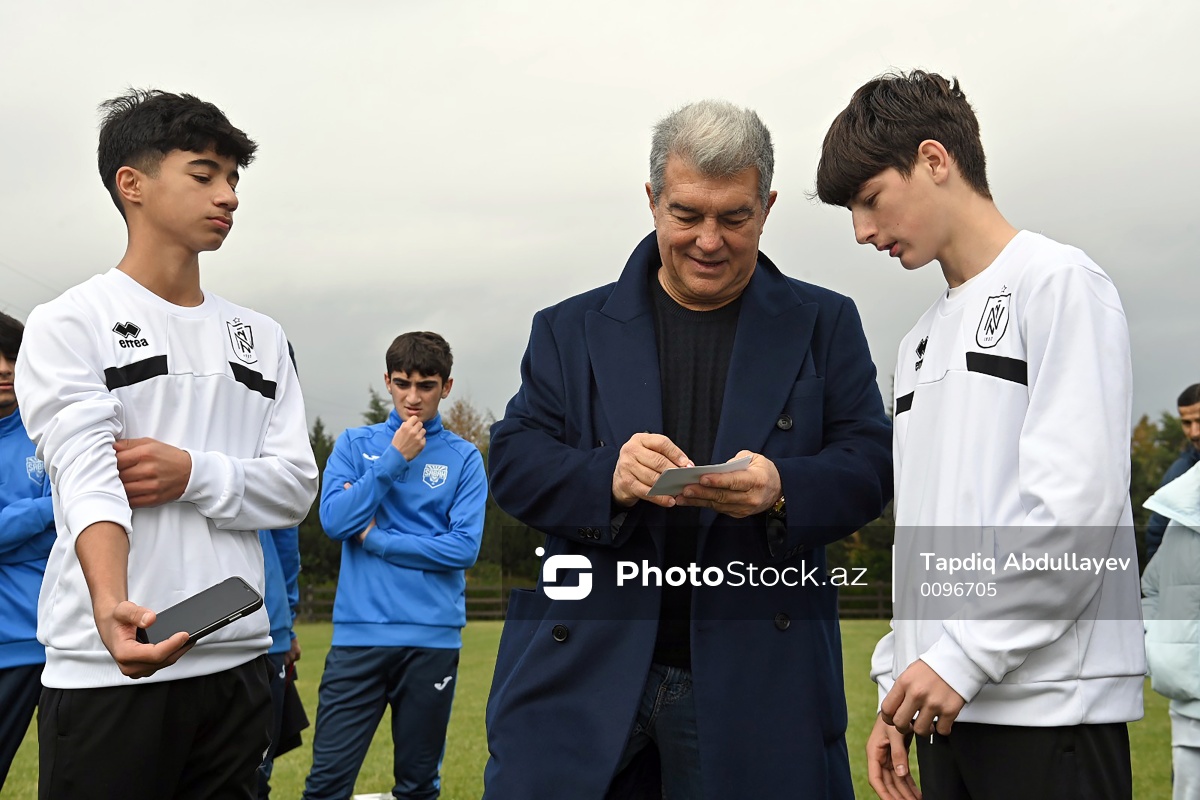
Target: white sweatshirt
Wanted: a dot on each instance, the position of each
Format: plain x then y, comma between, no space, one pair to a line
110,360
1013,398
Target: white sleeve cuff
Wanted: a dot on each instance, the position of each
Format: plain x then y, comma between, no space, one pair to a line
883,661
953,666
93,507
209,484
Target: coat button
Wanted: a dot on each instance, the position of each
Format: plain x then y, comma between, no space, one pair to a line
782,622
784,423
560,633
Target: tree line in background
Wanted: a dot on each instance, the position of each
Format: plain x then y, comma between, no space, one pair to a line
507,555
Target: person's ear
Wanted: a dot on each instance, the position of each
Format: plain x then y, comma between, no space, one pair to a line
934,161
129,185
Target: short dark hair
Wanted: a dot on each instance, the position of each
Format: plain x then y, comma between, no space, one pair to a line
886,121
142,126
1190,396
420,351
11,331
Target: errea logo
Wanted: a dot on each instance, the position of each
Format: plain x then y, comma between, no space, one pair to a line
129,335
550,569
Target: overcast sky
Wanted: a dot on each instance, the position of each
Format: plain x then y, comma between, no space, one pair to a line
456,167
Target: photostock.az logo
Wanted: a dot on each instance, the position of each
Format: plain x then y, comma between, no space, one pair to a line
550,570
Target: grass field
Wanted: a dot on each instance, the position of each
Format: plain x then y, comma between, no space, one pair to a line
466,750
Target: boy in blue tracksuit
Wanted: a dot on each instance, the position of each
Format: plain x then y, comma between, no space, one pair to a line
281,563
406,499
26,536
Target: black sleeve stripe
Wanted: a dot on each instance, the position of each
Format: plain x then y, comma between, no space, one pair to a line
119,377
253,380
904,403
1009,369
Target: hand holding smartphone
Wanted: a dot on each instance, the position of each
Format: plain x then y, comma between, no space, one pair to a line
204,612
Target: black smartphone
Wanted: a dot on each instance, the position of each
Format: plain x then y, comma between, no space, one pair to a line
204,612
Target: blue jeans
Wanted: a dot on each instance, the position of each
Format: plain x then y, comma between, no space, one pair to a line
667,717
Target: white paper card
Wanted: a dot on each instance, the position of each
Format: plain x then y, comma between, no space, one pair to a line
673,480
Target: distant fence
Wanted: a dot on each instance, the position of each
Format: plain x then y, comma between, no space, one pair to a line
865,602
491,602
483,602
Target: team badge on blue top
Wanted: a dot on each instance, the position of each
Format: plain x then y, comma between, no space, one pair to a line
35,469
435,475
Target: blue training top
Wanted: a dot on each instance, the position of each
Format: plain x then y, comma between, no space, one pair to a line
404,586
281,563
26,536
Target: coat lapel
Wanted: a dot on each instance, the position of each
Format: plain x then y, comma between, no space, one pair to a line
772,340
773,335
624,352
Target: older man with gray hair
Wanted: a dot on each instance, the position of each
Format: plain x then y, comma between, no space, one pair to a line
683,641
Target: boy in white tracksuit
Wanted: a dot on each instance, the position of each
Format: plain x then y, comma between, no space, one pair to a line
1015,654
1171,585
172,428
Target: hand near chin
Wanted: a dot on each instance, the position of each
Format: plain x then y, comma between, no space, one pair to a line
409,438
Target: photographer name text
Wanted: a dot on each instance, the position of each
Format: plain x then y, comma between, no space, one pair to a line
1024,562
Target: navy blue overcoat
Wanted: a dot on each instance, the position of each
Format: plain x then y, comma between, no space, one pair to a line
766,660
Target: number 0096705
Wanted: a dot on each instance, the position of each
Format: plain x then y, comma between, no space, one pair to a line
948,589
